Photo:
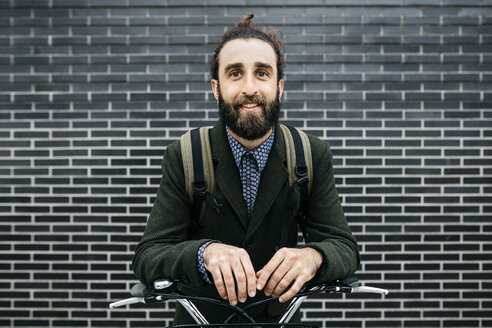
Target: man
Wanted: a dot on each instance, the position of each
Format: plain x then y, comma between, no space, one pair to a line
232,254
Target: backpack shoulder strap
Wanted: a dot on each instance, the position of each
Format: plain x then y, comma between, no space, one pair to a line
297,148
299,165
198,169
194,151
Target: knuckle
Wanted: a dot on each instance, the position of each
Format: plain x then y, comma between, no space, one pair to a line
276,276
295,256
305,275
283,250
212,261
240,279
250,277
300,268
223,257
233,250
282,285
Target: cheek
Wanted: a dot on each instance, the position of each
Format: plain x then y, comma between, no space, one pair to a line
229,91
272,92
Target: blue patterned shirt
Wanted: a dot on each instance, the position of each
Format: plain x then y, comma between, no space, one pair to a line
250,164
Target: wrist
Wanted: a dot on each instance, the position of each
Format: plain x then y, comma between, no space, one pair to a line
316,255
200,262
207,249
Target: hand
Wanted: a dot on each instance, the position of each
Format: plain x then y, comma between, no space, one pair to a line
230,266
288,265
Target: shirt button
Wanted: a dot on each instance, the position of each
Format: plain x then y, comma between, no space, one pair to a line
248,182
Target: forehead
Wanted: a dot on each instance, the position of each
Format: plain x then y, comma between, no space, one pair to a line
247,52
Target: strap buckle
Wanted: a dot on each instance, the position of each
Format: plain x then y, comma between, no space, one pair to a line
303,180
199,186
199,189
200,192
301,171
211,201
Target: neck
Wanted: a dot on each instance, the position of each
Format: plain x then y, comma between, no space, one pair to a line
251,144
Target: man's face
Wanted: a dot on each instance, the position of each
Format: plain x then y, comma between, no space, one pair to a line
248,92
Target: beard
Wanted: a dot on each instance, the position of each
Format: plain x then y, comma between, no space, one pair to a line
250,126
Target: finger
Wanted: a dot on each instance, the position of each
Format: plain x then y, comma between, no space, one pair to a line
230,285
219,283
250,276
240,276
293,290
285,282
265,273
276,277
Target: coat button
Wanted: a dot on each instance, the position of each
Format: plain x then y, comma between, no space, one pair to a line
184,279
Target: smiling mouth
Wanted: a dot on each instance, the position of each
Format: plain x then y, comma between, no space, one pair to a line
250,107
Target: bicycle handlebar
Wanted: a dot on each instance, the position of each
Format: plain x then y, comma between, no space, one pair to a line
164,289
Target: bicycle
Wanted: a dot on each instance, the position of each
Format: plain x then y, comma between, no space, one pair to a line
163,290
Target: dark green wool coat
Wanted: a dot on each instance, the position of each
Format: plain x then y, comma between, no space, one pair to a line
169,246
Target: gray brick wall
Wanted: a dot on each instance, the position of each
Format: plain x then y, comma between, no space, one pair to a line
92,92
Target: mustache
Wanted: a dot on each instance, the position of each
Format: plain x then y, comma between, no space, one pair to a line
254,99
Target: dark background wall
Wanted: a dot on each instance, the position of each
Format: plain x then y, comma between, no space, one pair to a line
92,92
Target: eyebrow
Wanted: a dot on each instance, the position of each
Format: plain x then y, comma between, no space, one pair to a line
240,65
264,65
234,65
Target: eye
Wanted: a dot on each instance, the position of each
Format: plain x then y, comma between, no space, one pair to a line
262,74
235,74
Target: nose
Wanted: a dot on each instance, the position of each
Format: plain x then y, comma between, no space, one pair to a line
249,87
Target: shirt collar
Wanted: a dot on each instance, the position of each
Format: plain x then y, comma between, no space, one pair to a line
260,153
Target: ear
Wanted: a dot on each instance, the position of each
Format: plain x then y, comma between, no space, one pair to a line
280,88
215,88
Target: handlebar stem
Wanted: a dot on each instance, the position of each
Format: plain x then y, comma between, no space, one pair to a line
193,311
292,308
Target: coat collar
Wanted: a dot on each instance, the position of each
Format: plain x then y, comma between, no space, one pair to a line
228,180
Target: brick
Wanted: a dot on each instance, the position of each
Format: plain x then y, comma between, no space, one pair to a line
411,77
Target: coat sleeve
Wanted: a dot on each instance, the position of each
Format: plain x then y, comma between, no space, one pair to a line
326,223
165,250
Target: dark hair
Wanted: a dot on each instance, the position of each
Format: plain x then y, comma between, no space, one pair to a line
246,29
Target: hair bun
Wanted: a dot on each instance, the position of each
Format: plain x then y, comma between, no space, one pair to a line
246,21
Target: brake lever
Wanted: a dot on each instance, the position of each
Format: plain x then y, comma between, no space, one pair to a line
131,300
369,289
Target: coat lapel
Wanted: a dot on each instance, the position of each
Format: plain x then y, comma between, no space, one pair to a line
273,179
227,174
